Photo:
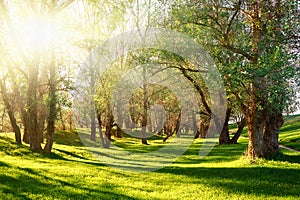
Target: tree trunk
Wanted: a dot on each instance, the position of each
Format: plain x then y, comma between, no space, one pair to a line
41,124
108,131
11,114
104,141
52,110
224,136
145,107
118,132
271,131
255,144
26,135
32,106
177,126
61,119
255,121
236,136
93,122
195,127
15,126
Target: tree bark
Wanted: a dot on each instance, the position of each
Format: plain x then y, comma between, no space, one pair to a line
32,105
271,131
224,136
255,120
236,136
145,107
118,132
52,109
11,114
93,121
104,140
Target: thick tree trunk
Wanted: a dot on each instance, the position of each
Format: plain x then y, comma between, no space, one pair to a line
255,144
263,137
271,131
32,106
255,121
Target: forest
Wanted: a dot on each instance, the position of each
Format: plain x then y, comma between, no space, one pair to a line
172,88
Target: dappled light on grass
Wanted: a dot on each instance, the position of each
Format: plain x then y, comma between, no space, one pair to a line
72,173
129,154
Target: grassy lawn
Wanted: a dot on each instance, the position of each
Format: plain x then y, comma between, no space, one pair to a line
290,132
71,172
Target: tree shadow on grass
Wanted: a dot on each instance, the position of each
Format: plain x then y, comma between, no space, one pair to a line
218,154
28,184
67,153
294,158
70,138
277,182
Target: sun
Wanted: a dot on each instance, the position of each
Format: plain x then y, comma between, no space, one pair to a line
33,33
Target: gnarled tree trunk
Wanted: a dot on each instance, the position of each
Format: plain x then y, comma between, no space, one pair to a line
271,131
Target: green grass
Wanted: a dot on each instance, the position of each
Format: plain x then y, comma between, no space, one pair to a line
71,172
290,132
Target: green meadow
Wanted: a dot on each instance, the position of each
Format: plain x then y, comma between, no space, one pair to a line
71,172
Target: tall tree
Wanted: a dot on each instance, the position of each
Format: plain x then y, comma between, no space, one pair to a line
255,33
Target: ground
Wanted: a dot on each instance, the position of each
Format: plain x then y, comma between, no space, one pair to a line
72,173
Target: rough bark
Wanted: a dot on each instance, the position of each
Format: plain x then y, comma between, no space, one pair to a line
255,120
271,131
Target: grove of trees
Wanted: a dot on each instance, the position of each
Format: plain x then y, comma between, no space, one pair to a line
46,46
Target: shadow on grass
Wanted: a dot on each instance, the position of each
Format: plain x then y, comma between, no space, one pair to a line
67,153
70,138
219,153
29,184
295,158
249,180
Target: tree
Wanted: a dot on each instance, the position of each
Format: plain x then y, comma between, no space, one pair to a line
254,32
33,57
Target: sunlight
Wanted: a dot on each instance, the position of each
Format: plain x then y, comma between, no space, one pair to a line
36,33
